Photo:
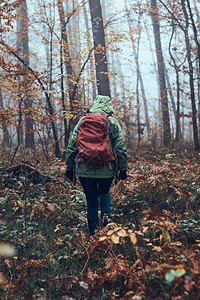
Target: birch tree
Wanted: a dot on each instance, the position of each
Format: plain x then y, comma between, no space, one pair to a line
191,77
161,73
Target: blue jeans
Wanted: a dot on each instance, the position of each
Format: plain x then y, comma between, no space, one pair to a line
96,189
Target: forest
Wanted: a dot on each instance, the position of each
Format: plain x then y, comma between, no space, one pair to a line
56,56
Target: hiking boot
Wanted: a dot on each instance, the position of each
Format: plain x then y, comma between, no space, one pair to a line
105,220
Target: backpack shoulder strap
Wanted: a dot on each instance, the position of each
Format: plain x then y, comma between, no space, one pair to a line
113,148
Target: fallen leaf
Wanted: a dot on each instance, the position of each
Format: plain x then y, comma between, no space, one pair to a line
84,285
102,238
189,284
145,228
133,238
115,239
110,232
157,248
3,282
122,233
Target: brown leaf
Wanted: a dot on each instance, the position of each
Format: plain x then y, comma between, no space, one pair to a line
189,284
196,267
122,233
3,282
115,239
91,275
102,238
133,238
157,248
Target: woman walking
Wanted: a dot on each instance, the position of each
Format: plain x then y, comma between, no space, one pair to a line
96,153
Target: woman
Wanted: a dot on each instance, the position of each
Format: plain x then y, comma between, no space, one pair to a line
96,179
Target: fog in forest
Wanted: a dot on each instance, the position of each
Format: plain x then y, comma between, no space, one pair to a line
144,55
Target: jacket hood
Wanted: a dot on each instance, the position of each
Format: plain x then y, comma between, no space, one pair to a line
102,104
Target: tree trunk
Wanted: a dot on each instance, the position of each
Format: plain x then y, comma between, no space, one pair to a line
63,102
158,114
191,77
67,57
125,108
137,81
68,66
177,110
169,88
138,110
99,48
19,127
114,82
195,30
49,60
161,73
23,46
5,141
91,68
139,73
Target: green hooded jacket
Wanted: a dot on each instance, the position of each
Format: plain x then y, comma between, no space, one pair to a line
102,104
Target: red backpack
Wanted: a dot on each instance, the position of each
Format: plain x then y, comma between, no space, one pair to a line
93,140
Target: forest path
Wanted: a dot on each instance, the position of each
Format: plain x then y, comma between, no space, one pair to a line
155,214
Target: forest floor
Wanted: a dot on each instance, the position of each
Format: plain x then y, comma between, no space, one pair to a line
151,250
